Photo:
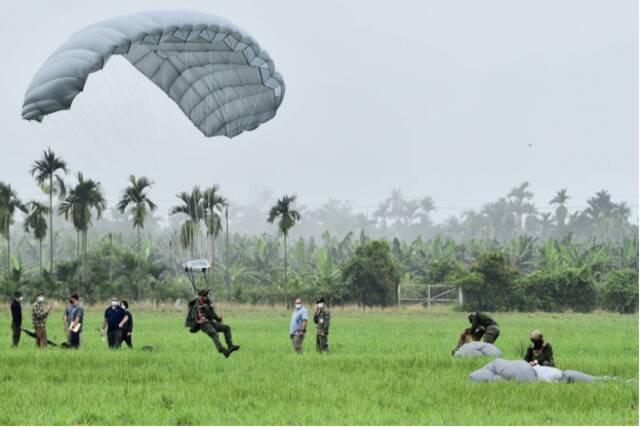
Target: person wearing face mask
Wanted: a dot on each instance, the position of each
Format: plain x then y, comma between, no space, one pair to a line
16,317
127,329
75,320
114,319
322,318
540,352
39,318
298,326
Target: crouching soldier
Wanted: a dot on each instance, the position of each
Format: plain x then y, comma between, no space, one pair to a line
202,317
540,352
484,326
322,318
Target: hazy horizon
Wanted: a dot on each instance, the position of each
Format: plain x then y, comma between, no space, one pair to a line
458,103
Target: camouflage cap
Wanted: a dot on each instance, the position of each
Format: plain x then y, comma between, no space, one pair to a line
203,292
536,335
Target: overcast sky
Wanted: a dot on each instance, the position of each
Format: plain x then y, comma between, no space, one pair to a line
457,100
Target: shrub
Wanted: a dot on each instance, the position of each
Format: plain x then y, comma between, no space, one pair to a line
619,291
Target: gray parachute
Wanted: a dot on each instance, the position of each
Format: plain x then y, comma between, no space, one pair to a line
217,74
521,371
478,349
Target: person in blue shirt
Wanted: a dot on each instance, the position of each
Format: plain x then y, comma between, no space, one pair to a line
115,317
298,326
75,320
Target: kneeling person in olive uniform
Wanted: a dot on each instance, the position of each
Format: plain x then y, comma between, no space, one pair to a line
540,352
482,324
203,317
322,318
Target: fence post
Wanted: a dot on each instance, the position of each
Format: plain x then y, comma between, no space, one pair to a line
460,296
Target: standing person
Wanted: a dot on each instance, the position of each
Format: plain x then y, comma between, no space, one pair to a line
322,318
298,326
540,352
482,324
127,329
66,320
114,319
75,321
16,317
39,318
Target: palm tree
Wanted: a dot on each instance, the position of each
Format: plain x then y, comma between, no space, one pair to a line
601,212
560,199
287,219
86,196
213,203
192,206
135,198
45,171
9,205
36,223
520,202
521,252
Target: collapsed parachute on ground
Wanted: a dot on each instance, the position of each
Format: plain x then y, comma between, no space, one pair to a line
478,349
217,74
521,371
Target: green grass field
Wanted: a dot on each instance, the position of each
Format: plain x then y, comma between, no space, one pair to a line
385,367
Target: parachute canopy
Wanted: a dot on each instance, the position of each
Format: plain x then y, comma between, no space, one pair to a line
478,349
217,74
521,371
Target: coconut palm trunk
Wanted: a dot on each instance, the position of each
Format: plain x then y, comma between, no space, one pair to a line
50,226
8,251
213,259
286,285
226,249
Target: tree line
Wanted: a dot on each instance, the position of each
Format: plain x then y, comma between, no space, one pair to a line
356,259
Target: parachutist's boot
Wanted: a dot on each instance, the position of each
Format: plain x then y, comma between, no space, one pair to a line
225,351
233,348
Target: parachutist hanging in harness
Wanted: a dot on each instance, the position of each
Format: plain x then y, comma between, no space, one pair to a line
201,315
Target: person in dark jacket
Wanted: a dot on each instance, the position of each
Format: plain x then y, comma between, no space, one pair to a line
540,352
127,328
485,326
16,317
114,319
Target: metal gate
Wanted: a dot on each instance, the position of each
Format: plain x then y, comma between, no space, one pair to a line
429,294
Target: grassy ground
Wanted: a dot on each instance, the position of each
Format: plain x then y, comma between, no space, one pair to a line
385,367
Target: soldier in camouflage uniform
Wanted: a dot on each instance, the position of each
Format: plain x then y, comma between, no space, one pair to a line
485,326
39,318
209,322
540,352
322,318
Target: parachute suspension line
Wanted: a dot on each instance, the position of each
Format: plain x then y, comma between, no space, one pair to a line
117,97
52,127
93,126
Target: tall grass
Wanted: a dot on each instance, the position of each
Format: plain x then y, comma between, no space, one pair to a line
384,367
